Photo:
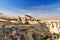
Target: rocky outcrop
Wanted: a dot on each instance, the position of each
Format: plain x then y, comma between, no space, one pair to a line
39,31
22,33
25,19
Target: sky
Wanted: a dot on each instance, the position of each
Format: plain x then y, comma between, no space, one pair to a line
36,8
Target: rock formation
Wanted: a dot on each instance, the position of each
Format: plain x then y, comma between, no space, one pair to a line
27,28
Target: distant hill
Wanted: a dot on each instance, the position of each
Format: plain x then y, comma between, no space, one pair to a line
4,16
49,17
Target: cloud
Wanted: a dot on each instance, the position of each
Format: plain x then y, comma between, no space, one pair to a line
45,11
58,8
15,12
36,11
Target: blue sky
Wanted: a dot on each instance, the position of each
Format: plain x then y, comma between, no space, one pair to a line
40,8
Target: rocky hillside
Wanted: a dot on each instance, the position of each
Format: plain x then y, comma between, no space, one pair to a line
24,33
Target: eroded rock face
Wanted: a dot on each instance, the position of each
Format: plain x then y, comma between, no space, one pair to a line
22,33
